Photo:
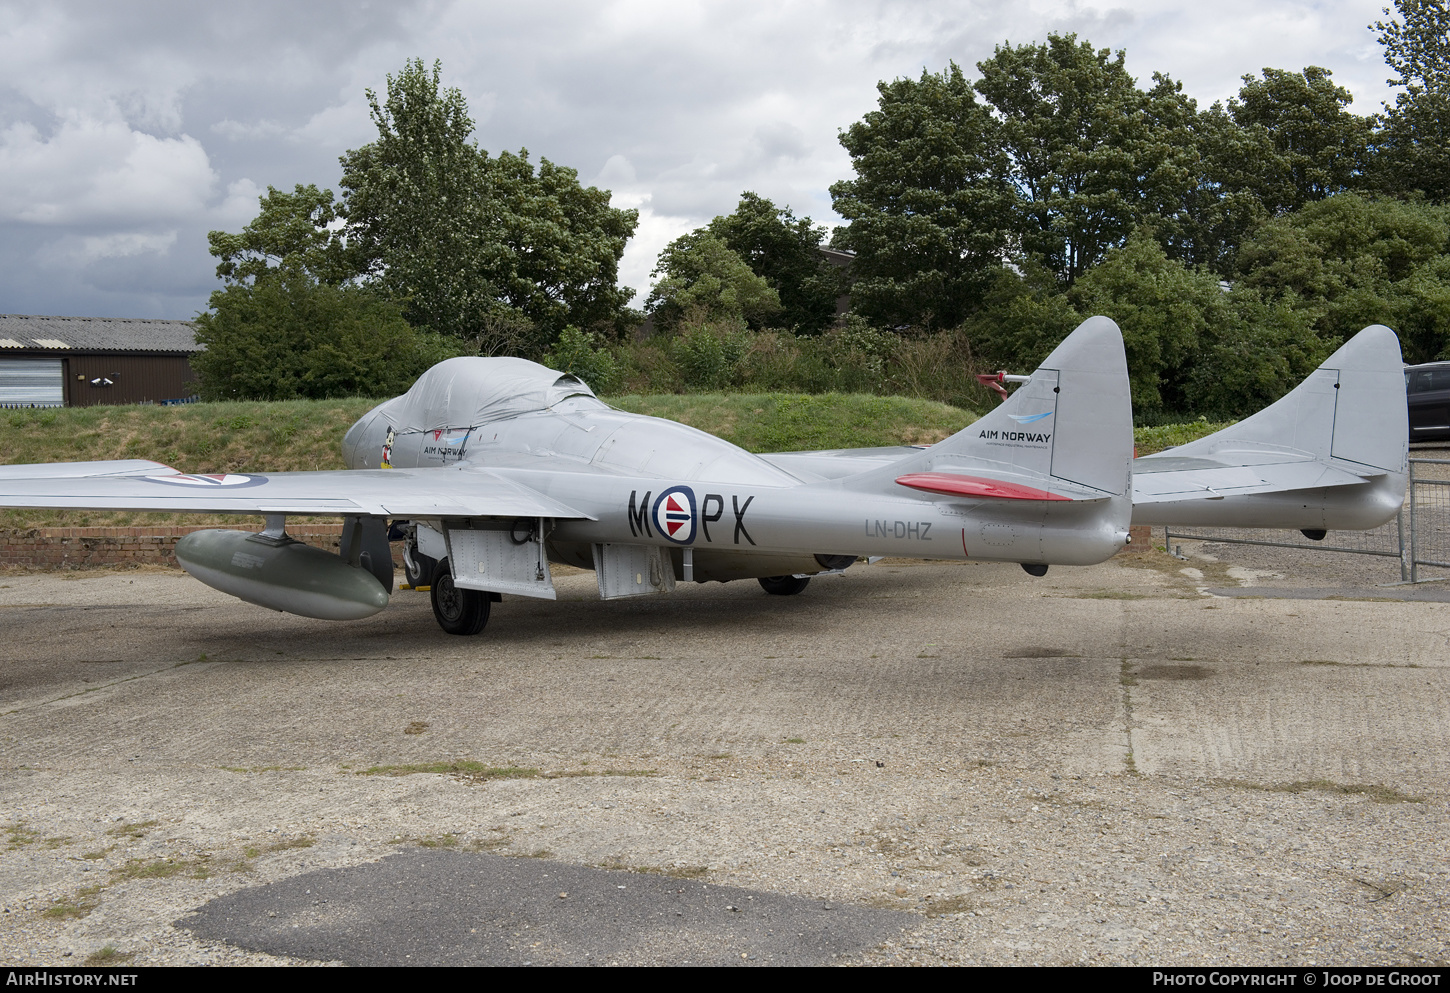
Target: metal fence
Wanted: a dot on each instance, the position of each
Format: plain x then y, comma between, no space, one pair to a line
1428,509
1418,537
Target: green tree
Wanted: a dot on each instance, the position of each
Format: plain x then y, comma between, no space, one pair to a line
1349,261
785,251
417,224
1192,347
562,242
1318,146
1024,316
929,210
469,242
294,232
1220,206
1285,141
289,336
703,279
1081,151
1414,152
1420,305
1252,353
1163,308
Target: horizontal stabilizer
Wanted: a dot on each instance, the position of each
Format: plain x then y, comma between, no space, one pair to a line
954,484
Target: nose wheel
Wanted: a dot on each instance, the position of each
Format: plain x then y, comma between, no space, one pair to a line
457,611
784,585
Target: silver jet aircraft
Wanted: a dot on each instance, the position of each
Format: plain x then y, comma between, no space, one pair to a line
489,469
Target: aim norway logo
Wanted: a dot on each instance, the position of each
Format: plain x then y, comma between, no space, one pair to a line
1030,418
674,514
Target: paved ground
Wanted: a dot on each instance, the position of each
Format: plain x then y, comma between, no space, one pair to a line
1110,764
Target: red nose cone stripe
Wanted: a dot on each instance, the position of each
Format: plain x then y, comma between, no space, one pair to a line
951,484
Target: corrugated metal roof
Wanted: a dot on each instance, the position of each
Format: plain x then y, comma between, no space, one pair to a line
99,334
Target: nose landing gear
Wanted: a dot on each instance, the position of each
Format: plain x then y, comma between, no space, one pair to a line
784,585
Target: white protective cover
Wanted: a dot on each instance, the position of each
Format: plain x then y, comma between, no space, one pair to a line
480,390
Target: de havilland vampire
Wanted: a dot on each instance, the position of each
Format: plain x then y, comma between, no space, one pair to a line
489,469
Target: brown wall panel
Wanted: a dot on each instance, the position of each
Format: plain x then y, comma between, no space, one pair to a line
135,379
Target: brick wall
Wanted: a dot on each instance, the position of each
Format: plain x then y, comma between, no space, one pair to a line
1142,540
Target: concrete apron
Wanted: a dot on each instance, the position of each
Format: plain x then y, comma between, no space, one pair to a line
1104,765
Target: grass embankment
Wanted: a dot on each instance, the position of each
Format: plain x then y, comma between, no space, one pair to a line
306,434
788,422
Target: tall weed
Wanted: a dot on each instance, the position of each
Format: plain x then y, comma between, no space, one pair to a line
852,357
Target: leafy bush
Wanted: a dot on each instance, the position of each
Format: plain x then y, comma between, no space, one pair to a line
1147,440
577,352
1164,310
1254,353
1349,261
294,338
851,358
708,352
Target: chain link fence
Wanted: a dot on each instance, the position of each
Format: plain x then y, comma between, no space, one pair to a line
1418,537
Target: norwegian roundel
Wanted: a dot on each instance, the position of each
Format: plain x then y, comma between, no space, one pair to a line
209,479
674,514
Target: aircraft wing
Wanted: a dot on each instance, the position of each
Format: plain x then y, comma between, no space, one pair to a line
444,491
56,470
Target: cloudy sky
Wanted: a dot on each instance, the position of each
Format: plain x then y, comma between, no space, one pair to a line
129,130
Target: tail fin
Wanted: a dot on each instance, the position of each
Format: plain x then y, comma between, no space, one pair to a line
1070,423
1351,408
1332,454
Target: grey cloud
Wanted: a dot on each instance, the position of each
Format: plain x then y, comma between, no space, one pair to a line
677,108
781,140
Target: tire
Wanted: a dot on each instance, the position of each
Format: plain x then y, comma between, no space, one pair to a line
457,611
784,585
424,574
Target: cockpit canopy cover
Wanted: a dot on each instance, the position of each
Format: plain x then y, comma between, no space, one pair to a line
468,391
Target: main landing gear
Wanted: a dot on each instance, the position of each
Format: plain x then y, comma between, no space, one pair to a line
458,611
784,585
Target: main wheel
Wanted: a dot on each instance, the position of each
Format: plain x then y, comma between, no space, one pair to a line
784,585
458,611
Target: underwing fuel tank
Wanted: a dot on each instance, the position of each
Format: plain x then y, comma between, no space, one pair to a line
282,574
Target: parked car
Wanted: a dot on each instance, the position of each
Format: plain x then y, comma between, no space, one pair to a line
1428,390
